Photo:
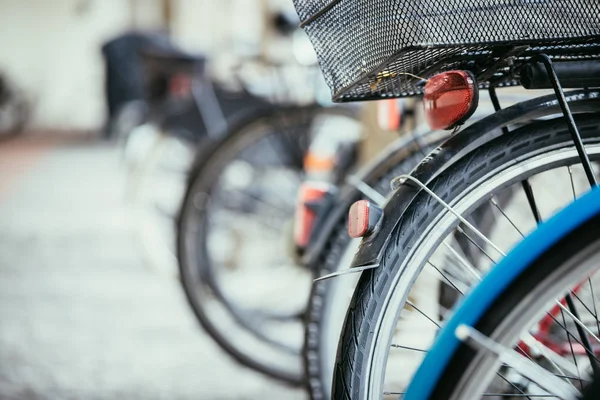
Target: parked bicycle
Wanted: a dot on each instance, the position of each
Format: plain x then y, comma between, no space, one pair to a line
419,252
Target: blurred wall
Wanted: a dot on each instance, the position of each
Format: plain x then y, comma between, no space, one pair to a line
51,48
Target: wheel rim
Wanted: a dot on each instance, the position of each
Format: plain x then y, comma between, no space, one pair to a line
421,252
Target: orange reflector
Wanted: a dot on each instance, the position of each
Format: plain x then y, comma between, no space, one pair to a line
358,219
449,99
315,163
309,194
389,114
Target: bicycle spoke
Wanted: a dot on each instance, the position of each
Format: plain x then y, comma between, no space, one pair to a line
524,366
549,355
467,265
397,346
569,337
531,200
570,170
465,287
593,313
563,326
461,231
404,178
582,329
594,303
410,303
510,221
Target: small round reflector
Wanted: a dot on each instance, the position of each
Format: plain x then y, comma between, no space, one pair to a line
358,219
449,99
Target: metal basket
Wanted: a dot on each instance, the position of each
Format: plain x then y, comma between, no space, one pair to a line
373,49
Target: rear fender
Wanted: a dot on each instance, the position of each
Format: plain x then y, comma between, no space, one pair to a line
373,172
455,148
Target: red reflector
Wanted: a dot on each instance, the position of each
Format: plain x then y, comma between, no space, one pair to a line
449,99
309,194
358,219
180,86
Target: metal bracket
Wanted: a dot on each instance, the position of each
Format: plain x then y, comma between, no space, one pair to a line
367,190
524,366
403,178
566,110
346,272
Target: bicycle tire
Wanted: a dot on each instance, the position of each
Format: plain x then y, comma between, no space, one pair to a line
399,161
203,167
352,372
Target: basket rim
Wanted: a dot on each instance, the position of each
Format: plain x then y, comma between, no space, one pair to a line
319,13
340,94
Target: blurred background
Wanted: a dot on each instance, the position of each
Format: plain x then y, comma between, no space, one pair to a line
166,170
52,49
91,306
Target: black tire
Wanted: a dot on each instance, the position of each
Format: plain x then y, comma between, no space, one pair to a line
375,286
330,260
592,392
205,170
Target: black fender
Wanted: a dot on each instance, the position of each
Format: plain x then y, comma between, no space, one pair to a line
393,154
456,147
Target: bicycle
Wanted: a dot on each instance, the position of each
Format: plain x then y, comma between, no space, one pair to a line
331,248
475,174
183,109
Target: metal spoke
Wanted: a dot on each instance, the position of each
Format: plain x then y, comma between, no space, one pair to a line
549,355
572,182
572,311
495,204
531,199
366,190
576,319
397,346
467,265
524,366
410,303
569,337
448,280
461,231
563,326
404,178
582,329
593,313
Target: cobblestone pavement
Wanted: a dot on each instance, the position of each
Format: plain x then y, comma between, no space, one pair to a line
81,316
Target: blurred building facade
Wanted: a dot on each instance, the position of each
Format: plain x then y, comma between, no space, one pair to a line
51,49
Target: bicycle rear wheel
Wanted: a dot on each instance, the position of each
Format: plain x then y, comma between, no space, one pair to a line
396,310
235,247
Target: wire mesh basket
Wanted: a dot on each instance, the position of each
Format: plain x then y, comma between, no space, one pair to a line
373,49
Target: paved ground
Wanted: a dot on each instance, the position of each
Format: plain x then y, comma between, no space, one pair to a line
81,315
